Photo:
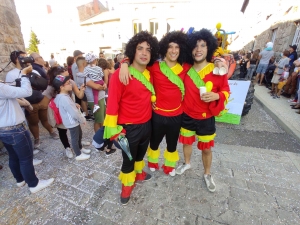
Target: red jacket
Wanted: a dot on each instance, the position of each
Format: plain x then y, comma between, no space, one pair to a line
168,95
194,106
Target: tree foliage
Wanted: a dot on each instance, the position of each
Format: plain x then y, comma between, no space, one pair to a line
33,43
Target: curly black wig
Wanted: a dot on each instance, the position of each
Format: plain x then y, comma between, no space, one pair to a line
139,38
208,37
179,38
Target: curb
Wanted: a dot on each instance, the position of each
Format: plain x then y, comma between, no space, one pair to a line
278,119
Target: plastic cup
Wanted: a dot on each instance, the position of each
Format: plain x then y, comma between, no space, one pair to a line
202,90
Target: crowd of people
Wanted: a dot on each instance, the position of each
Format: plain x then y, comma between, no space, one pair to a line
160,89
281,75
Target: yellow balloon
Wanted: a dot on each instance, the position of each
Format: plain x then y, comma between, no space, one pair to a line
218,26
209,86
153,98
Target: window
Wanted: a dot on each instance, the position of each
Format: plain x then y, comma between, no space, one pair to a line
274,36
137,27
296,40
153,27
170,25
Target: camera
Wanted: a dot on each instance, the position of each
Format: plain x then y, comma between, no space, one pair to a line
24,60
18,82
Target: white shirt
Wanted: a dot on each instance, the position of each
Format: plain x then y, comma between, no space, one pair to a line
10,110
12,75
52,62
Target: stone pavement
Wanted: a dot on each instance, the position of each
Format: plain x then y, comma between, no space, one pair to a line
280,111
254,186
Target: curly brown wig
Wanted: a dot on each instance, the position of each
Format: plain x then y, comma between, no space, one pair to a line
179,38
139,38
208,37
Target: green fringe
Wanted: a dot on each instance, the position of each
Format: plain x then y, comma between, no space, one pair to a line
140,77
172,77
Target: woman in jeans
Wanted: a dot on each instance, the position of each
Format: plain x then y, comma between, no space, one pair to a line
253,63
15,135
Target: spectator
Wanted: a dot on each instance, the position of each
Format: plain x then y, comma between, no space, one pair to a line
120,57
264,58
253,64
291,83
38,101
96,74
70,61
82,102
51,94
111,70
70,115
15,136
104,65
46,66
101,55
279,70
100,114
282,80
244,65
52,61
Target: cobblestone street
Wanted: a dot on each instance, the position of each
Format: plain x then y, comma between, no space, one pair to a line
254,186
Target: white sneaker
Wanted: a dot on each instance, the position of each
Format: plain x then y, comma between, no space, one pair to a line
36,152
82,156
172,174
210,184
180,169
86,151
96,107
69,153
152,169
86,143
41,185
21,184
37,162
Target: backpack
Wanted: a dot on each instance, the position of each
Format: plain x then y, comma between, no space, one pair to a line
55,110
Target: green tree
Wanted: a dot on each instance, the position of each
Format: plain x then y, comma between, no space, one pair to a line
33,43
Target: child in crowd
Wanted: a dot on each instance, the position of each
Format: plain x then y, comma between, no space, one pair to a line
282,80
70,115
95,73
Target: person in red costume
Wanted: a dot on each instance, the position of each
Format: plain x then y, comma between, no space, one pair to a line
129,110
168,78
199,113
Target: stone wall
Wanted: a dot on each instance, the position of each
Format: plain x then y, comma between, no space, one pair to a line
284,37
11,37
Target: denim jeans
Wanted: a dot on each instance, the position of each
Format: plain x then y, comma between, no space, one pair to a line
20,150
250,72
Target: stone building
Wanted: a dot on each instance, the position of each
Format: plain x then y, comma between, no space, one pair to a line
280,25
11,37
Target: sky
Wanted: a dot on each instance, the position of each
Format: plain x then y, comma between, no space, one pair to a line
203,14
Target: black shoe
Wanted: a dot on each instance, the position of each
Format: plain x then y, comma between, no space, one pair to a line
124,201
88,118
148,177
111,151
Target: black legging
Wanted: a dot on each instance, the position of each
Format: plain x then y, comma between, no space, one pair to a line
165,126
138,136
63,137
